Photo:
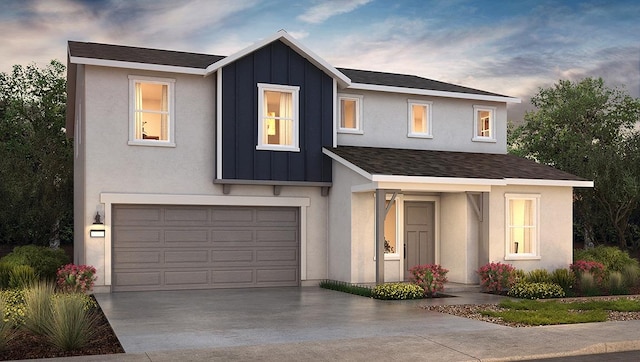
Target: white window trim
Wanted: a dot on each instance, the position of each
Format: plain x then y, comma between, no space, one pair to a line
412,134
536,244
170,83
359,112
294,90
492,124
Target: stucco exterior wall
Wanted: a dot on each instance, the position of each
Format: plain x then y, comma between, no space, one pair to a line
454,250
556,226
113,166
385,124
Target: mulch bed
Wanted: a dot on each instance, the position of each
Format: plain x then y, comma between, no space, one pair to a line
27,345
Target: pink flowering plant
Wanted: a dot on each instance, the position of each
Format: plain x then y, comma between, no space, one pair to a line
596,269
73,278
430,277
497,277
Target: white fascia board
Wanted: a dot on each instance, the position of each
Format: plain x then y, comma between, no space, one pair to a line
348,164
427,92
132,65
173,199
219,125
283,36
535,182
438,180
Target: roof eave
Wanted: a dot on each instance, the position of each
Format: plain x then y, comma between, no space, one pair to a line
134,65
428,92
343,80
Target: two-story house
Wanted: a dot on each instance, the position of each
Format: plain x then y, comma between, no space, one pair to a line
271,167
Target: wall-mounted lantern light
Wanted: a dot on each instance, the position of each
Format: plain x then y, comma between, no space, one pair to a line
97,229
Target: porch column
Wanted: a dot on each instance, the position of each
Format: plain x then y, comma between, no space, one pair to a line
380,215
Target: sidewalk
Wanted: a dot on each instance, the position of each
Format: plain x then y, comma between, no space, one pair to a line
430,336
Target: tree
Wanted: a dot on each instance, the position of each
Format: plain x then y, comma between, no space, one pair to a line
588,129
36,158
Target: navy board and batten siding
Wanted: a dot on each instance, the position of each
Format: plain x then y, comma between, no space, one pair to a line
278,64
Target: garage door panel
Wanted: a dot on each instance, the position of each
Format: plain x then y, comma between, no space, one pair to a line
184,236
184,277
193,256
136,258
226,278
135,237
182,247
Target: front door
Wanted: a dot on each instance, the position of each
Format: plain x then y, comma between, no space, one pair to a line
419,234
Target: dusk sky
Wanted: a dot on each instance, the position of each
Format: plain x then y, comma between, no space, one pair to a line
506,47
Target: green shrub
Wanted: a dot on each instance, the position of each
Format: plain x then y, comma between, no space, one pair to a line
45,261
5,269
588,285
631,275
38,309
7,330
526,290
346,287
616,284
613,258
538,276
14,307
397,291
72,325
21,276
565,278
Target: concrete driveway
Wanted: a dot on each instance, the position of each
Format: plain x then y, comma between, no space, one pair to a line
199,319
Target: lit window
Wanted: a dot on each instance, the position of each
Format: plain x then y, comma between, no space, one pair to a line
350,113
419,119
522,226
390,235
277,118
484,124
151,121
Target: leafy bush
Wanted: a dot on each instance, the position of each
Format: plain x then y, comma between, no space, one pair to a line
38,310
5,269
72,326
527,290
346,287
14,307
588,285
73,278
565,278
44,260
631,276
397,291
538,276
497,277
596,269
611,257
430,277
616,284
21,276
7,330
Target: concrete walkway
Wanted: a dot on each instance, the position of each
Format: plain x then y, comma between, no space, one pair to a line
293,324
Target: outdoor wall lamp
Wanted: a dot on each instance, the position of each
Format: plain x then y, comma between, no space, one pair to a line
97,229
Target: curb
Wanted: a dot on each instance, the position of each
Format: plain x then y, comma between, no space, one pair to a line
598,348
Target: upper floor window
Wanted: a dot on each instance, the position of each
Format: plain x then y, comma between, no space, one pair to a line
522,215
278,117
350,113
484,123
151,119
419,119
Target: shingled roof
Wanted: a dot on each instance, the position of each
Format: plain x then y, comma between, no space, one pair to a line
141,55
108,52
425,163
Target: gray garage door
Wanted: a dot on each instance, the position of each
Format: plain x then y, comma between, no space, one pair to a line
200,247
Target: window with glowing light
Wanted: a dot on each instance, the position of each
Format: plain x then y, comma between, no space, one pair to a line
484,123
522,211
151,120
278,117
350,113
419,119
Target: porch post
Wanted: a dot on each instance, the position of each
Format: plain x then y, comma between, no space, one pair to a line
380,214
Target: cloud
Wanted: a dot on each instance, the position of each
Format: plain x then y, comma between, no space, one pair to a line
326,9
